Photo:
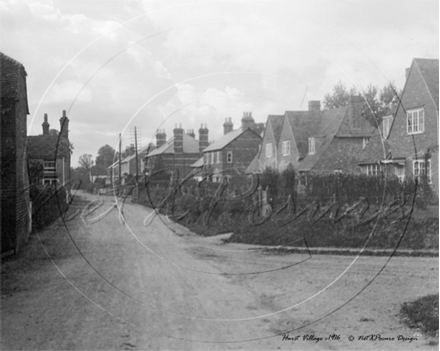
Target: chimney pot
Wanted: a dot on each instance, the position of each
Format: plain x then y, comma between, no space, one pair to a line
314,105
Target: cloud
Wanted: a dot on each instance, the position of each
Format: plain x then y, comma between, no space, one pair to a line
67,91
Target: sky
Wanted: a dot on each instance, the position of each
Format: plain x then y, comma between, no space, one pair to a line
118,64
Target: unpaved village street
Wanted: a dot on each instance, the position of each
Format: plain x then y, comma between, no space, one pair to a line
110,286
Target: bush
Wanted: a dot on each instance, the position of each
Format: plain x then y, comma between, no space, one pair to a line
422,313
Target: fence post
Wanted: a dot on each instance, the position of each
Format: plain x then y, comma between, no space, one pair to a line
259,199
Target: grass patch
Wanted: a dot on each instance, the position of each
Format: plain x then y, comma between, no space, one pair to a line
422,313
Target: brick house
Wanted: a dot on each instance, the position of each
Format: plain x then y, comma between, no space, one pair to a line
315,140
177,153
234,151
14,181
408,144
52,151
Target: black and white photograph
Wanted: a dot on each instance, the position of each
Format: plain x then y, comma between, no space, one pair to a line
219,175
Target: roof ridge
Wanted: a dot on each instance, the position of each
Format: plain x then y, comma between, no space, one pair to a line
8,58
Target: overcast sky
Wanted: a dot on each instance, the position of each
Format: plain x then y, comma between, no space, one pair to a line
116,64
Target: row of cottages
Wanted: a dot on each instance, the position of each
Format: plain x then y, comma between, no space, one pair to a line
177,153
314,140
129,166
407,144
232,153
15,210
52,150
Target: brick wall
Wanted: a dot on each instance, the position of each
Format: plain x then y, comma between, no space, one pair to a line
244,149
14,180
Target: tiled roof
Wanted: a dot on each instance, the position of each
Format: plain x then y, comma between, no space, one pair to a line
429,71
47,147
142,150
224,140
198,163
190,146
322,125
376,150
254,166
276,121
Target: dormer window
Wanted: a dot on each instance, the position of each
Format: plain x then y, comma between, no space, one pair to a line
311,146
415,121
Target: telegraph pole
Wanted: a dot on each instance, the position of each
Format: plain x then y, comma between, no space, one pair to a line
136,149
120,141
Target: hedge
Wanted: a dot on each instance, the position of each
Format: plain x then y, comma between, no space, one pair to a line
48,204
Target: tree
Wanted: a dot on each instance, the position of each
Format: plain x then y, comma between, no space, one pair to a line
106,156
376,102
339,98
85,161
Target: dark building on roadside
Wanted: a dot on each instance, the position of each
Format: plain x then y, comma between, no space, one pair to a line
52,151
14,182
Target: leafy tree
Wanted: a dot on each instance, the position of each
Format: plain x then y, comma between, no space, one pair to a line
85,161
340,96
106,157
376,102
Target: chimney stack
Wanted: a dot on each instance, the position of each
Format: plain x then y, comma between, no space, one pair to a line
203,137
355,111
228,126
178,139
161,138
45,125
315,105
247,121
64,125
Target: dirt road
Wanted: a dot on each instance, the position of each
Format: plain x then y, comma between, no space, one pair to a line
113,286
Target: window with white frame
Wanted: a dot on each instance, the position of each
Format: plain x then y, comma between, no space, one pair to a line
386,123
399,171
219,156
421,168
286,148
415,121
49,173
212,157
269,150
311,146
229,157
373,169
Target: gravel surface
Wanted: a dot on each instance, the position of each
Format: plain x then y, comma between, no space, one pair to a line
113,286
